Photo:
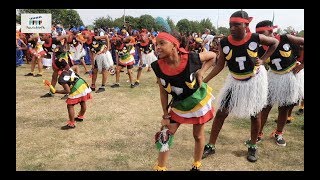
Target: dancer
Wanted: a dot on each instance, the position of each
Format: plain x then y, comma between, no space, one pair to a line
146,55
179,73
245,91
285,79
78,90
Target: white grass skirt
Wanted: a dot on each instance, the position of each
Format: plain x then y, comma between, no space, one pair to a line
285,89
300,80
47,62
148,58
246,98
104,60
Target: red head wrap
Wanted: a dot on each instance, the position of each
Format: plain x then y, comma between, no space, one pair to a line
268,28
241,20
170,38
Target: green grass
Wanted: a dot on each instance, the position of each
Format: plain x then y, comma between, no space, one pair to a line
119,127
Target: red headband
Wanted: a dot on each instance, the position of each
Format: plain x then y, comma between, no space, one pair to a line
241,20
170,38
265,28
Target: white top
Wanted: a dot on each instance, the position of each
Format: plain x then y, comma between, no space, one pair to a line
208,37
77,52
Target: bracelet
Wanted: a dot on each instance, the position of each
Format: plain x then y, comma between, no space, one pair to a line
166,116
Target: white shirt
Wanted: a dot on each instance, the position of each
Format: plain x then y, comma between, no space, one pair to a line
208,37
77,52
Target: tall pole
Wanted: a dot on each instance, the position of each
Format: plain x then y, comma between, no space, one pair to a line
124,16
273,18
218,23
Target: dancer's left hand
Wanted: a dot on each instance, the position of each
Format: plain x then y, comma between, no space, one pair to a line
298,68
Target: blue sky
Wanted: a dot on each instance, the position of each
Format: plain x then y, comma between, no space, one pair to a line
219,17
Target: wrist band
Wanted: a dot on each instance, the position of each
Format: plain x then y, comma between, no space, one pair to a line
166,116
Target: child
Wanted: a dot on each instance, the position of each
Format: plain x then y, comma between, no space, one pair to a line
146,55
180,73
78,90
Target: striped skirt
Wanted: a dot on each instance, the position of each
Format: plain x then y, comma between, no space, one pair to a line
195,109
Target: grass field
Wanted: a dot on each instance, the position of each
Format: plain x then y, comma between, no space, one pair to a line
118,132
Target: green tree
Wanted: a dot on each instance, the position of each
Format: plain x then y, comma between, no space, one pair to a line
223,30
206,23
110,22
171,24
147,22
101,22
195,26
118,22
301,33
90,27
57,16
132,21
184,26
71,18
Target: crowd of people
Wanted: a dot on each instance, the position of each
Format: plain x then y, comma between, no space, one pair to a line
265,69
